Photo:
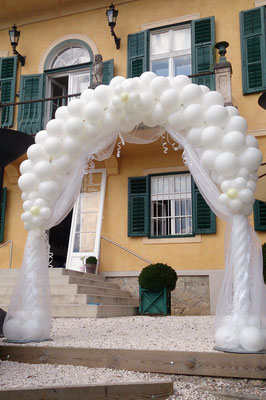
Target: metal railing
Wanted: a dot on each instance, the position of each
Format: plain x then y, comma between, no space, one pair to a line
32,115
10,252
125,249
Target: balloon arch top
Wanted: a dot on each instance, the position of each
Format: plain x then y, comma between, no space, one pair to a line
220,155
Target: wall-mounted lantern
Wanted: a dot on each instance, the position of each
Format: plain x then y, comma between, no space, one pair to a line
112,14
14,35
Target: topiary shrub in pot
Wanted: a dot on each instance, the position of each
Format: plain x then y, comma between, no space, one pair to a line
156,281
91,264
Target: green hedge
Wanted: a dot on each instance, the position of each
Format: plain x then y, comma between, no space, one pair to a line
155,277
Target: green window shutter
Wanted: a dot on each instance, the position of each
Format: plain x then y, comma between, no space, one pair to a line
138,222
2,214
137,54
253,49
108,71
204,220
259,210
8,70
30,115
203,55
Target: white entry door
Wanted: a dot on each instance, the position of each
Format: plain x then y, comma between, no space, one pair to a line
85,233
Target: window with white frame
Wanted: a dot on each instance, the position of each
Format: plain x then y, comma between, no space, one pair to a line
171,205
170,51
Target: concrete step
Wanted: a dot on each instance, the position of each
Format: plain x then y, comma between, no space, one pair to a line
63,280
75,289
92,311
84,299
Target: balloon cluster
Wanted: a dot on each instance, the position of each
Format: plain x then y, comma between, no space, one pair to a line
218,133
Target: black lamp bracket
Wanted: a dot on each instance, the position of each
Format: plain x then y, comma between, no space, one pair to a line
20,58
117,40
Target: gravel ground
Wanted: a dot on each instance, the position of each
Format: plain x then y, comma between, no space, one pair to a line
158,333
154,333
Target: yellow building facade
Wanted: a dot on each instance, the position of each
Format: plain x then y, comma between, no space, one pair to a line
49,30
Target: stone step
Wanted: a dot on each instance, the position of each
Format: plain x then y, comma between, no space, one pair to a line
76,289
84,299
63,280
92,311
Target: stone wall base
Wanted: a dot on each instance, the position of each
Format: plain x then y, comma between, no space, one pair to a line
190,297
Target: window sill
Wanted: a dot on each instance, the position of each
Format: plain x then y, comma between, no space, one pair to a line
189,239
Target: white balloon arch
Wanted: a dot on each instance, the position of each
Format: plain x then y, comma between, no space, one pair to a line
220,155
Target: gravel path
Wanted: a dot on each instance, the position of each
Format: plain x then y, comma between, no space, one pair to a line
158,333
154,333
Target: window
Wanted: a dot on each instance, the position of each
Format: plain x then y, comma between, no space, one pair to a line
167,205
253,49
71,55
2,213
171,205
170,51
259,210
180,49
8,70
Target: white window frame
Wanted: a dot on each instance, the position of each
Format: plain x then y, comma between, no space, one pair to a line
171,197
171,54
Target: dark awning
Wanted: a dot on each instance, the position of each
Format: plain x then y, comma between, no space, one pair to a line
12,145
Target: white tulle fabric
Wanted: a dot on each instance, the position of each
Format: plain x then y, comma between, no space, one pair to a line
88,130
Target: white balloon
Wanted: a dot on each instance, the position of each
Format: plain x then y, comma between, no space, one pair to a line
39,202
235,204
28,182
226,185
221,178
126,126
110,120
62,163
146,78
251,339
211,136
159,114
177,120
191,94
131,85
232,111
117,80
93,112
44,170
226,163
22,316
170,100
26,166
194,115
146,103
36,153
48,189
215,177
31,330
244,172
71,145
24,196
12,329
41,137
212,98
251,158
26,216
223,199
76,108
148,121
119,89
74,127
158,85
195,134
216,115
225,338
247,209
209,157
236,123
62,113
103,94
45,212
251,141
179,82
33,196
254,321
37,221
233,141
53,146
87,95
28,226
253,176
251,185
204,89
239,183
55,127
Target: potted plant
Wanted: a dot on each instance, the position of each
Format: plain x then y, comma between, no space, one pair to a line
156,281
91,263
